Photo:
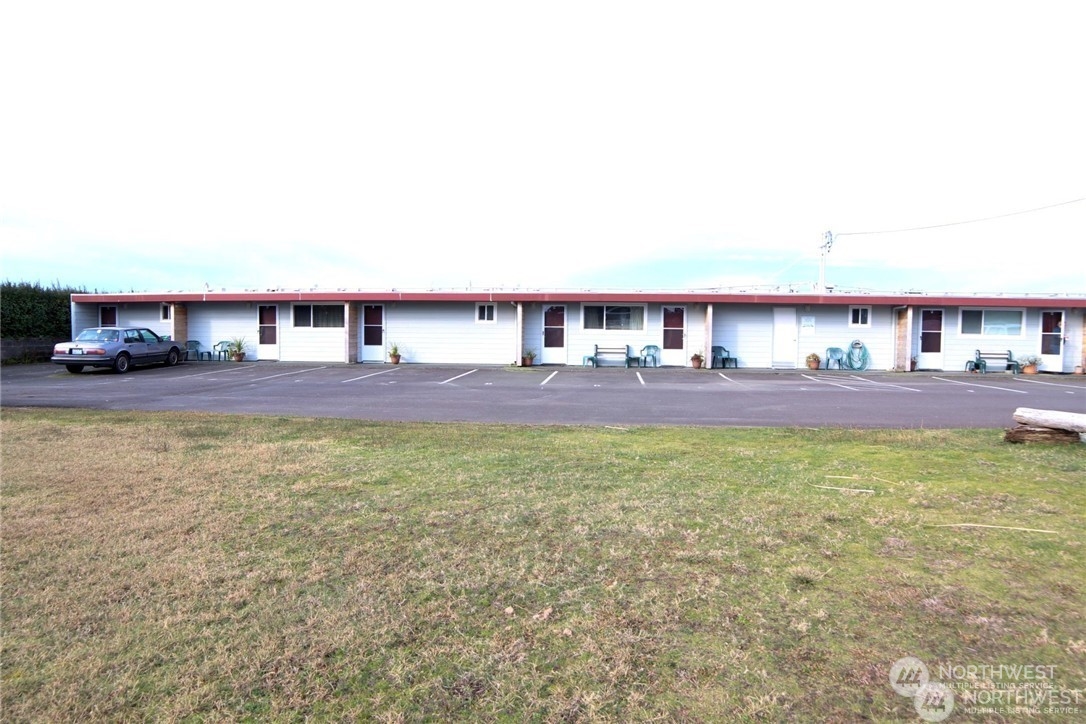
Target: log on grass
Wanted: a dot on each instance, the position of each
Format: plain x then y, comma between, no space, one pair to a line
1027,433
1051,418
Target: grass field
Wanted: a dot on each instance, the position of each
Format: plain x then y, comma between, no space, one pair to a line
203,567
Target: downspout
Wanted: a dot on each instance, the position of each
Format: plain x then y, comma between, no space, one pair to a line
519,340
709,333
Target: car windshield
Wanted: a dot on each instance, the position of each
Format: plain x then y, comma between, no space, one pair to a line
98,335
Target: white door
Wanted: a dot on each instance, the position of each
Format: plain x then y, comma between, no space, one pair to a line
267,343
674,353
1052,341
785,337
373,333
930,356
554,335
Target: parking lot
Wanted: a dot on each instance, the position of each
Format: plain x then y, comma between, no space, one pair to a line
555,395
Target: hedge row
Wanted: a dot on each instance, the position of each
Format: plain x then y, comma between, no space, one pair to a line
31,310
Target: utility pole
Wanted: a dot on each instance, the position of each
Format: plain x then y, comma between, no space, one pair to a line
825,248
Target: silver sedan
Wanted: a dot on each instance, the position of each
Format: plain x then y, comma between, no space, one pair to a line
116,347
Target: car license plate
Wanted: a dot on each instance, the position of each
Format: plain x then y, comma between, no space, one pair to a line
75,351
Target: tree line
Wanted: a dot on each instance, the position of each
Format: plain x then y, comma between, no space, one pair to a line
31,310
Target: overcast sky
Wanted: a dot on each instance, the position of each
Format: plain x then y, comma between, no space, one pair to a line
156,146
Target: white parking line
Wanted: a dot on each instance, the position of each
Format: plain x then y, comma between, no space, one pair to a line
984,387
827,382
458,376
217,372
729,379
640,378
372,374
883,384
288,374
549,378
1049,384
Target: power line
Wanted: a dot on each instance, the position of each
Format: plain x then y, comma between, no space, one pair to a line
959,223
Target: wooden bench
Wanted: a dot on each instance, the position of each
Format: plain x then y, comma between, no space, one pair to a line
980,361
617,353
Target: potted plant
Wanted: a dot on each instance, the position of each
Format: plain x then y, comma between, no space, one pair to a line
813,361
696,359
394,354
236,349
528,358
1029,364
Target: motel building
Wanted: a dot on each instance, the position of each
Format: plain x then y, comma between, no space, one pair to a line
906,331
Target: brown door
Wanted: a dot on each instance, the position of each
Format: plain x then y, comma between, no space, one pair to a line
267,332
373,333
674,341
931,340
554,335
1052,341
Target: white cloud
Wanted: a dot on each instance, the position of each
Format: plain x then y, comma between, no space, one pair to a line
255,145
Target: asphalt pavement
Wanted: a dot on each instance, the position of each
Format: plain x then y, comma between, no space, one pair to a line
555,395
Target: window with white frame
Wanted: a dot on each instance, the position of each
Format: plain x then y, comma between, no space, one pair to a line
614,316
319,315
859,316
992,322
486,313
167,312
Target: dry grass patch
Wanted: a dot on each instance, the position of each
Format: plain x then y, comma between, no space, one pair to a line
162,566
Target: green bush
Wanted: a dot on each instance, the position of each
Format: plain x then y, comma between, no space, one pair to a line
31,310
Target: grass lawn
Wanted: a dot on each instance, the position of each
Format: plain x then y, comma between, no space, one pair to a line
208,567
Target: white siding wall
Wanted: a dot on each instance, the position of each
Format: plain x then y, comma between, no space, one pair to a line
436,332
959,348
448,333
143,315
746,330
695,331
831,329
308,344
581,341
533,328
84,316
1073,328
212,323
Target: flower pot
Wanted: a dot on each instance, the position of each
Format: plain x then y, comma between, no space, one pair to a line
1029,369
695,362
239,356
812,365
394,359
526,361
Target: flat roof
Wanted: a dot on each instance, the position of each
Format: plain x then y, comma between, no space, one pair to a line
598,296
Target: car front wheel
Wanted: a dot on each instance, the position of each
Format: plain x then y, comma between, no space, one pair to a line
120,365
172,357
74,369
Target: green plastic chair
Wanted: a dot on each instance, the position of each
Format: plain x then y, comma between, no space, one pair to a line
721,355
835,358
222,350
650,353
193,348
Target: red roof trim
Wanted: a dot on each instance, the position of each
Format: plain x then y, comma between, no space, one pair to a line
614,297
